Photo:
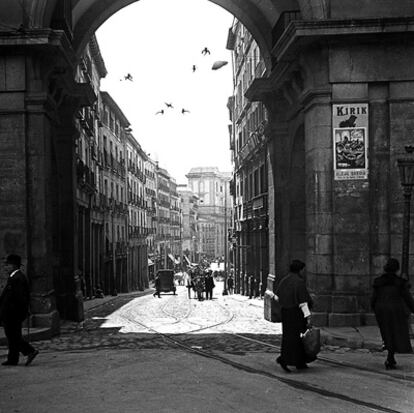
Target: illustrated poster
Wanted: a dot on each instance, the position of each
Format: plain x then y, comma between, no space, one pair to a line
350,141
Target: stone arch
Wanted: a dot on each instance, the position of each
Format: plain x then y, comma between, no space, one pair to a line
258,17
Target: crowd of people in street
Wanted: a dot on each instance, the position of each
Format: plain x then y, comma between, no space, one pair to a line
201,283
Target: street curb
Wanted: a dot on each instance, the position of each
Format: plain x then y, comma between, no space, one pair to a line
46,333
355,341
35,334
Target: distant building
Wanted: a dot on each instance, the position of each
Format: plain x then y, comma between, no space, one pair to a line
138,226
167,239
249,152
190,210
91,204
212,188
175,222
151,203
113,136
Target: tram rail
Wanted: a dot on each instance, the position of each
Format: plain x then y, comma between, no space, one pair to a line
298,384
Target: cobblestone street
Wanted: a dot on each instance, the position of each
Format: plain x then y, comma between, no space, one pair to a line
137,353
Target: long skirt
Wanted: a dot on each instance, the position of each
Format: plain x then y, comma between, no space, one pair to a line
393,323
293,324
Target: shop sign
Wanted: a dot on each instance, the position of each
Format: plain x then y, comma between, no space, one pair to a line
350,141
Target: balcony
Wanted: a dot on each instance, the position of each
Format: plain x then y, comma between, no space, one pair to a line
283,22
255,141
259,205
121,248
85,177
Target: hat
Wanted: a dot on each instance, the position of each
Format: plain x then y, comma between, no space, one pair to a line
392,265
14,260
296,266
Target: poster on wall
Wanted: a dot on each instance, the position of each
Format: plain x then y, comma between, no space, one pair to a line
350,141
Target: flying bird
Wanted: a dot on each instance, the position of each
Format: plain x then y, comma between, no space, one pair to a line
183,111
169,105
129,77
194,68
205,51
160,112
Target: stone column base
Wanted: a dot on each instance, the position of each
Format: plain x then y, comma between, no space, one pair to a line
51,320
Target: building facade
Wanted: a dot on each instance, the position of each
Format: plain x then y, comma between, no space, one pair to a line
249,186
89,172
190,236
151,203
138,223
214,213
113,133
175,223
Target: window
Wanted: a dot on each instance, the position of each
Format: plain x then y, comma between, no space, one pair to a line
256,187
263,185
111,122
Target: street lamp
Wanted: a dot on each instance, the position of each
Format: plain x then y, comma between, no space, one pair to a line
406,168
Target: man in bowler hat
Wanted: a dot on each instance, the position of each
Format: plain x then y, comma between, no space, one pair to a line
14,309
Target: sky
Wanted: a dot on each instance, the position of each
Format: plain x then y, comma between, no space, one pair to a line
158,42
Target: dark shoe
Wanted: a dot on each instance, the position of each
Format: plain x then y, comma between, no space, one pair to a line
31,357
283,365
302,367
8,363
390,366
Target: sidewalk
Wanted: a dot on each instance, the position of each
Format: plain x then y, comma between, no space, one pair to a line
45,333
364,337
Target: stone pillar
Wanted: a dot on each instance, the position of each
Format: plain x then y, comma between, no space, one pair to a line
319,208
277,135
26,200
67,279
379,182
13,154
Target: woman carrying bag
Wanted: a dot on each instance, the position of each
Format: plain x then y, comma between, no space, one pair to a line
295,302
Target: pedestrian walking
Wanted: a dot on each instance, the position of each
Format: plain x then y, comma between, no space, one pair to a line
199,287
188,283
252,286
392,302
14,309
295,302
230,285
209,286
157,285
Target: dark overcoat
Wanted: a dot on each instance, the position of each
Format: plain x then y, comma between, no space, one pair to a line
292,291
392,301
14,299
209,283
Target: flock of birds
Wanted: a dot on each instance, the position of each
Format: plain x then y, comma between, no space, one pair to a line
217,65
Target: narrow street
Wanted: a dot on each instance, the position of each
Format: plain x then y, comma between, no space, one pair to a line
142,354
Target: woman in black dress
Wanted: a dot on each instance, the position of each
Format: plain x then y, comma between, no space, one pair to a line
295,302
391,301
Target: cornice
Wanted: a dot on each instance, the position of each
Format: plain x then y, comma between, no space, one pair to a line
302,33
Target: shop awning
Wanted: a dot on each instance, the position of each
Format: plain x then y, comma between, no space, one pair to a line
172,258
150,262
